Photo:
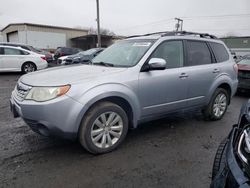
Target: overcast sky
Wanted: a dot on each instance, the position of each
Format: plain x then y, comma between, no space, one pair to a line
128,17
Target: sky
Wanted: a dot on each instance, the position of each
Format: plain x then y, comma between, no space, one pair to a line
130,17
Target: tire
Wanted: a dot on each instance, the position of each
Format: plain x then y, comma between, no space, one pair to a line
28,67
92,130
209,112
219,159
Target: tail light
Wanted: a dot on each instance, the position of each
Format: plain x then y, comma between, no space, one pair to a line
236,68
43,57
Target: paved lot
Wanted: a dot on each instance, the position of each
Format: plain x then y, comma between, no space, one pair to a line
177,151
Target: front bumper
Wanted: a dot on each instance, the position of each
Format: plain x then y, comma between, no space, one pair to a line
58,117
231,175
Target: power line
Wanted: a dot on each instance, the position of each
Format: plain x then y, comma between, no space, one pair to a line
216,16
165,21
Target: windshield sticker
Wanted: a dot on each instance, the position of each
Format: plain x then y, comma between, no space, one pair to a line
142,44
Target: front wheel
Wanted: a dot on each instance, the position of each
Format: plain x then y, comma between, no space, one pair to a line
104,127
217,106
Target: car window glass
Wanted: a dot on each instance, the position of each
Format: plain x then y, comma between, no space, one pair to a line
244,61
198,53
220,52
1,51
11,51
25,53
172,52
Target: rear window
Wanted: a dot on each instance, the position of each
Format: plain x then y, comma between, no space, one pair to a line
220,52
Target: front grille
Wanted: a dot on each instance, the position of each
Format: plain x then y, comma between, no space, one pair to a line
21,90
244,74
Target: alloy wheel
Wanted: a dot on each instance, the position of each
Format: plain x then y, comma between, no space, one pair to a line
106,129
220,105
29,68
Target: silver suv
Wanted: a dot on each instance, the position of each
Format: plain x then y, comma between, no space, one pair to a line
135,80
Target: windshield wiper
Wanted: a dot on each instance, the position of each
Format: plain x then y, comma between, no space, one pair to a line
104,64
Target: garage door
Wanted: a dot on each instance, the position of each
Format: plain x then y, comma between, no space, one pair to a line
12,37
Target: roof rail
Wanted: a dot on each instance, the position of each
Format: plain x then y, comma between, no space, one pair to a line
181,33
176,33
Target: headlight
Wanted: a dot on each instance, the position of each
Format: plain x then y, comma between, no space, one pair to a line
41,94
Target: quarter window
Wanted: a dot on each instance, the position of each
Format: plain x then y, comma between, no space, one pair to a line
198,53
172,52
220,52
1,51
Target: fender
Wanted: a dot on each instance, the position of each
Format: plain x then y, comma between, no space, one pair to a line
220,79
99,92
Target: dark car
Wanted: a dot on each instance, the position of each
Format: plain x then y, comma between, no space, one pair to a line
232,161
65,51
83,57
244,74
48,55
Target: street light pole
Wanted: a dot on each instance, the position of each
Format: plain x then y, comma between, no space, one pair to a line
98,24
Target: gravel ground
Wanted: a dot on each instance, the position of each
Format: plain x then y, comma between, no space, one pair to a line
177,151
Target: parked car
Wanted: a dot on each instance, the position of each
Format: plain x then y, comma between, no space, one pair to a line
246,56
62,60
65,51
231,168
48,55
83,57
18,59
244,74
133,81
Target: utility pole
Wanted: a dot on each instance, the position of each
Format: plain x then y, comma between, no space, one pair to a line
98,24
179,24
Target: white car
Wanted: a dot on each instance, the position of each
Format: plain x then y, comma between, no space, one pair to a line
19,59
62,60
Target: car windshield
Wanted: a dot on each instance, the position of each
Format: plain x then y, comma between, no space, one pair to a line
125,53
245,61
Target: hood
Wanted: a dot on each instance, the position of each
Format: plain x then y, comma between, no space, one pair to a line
68,75
244,67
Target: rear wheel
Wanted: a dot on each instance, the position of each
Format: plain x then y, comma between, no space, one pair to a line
217,106
28,67
104,128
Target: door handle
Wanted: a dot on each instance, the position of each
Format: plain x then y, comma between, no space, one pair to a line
216,71
183,75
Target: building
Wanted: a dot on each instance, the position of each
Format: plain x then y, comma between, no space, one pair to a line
50,37
239,45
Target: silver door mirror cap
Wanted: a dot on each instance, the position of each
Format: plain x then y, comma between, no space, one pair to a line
157,64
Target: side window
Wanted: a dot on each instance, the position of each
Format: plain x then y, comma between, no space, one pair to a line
172,52
11,51
198,53
24,52
220,52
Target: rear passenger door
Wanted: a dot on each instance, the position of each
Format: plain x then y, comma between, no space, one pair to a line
12,59
201,70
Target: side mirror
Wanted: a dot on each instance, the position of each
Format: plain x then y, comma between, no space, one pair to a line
157,64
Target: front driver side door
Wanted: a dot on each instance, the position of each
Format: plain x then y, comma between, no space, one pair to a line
163,91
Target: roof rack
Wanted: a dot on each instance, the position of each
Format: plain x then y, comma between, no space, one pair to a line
177,33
